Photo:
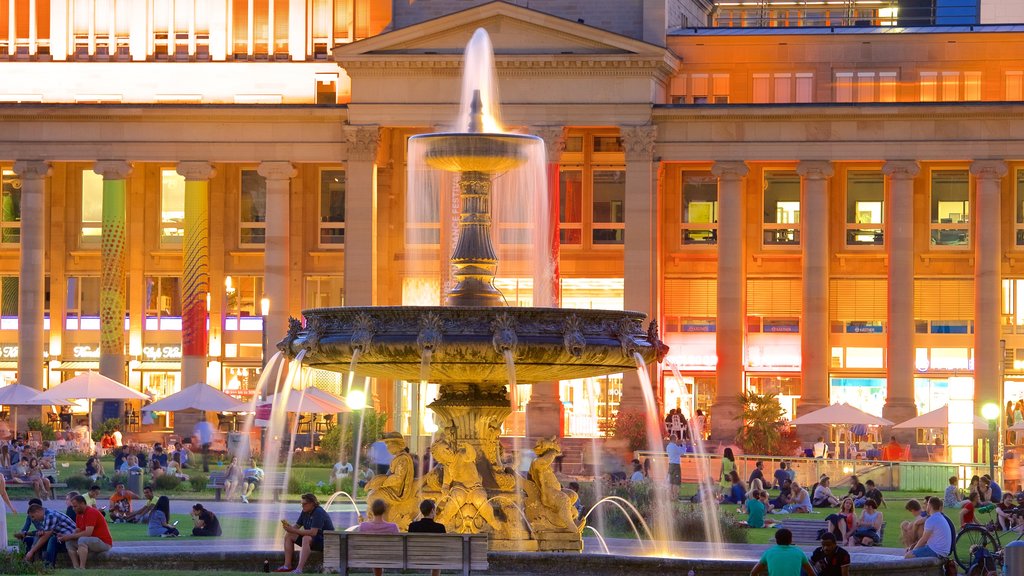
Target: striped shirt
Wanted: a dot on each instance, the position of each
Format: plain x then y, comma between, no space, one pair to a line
57,522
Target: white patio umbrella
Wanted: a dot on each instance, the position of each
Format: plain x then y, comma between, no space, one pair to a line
939,419
91,386
305,403
329,398
15,395
841,414
197,397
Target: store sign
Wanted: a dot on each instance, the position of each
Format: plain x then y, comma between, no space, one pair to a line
8,351
692,361
86,351
858,329
162,352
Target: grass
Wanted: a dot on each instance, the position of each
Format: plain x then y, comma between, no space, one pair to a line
233,528
110,572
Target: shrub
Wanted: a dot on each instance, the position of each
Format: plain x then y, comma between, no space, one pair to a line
118,479
78,483
342,437
199,482
632,426
108,426
13,562
38,426
167,483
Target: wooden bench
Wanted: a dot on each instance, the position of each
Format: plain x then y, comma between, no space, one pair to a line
806,531
345,550
46,473
275,482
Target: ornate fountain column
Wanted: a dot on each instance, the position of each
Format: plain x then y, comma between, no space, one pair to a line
641,257
545,412
732,303
361,215
988,258
899,333
31,271
276,269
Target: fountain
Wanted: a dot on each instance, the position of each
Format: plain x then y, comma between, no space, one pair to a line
471,347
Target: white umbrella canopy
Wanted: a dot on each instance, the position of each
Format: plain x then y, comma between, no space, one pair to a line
21,395
91,386
939,419
841,414
304,403
328,398
197,397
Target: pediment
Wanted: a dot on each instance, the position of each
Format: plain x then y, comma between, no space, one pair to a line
514,30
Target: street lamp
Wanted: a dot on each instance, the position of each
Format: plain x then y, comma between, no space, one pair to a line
264,312
990,412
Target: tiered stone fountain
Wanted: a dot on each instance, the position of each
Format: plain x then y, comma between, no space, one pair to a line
464,347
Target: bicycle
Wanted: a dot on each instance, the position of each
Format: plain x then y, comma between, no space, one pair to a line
977,548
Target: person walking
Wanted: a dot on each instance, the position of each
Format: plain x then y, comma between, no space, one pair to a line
728,466
675,452
783,559
203,433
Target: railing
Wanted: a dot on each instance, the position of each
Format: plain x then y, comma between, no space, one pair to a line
789,13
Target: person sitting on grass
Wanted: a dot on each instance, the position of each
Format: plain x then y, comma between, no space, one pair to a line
937,539
426,524
768,508
737,491
121,504
377,525
155,469
840,524
91,497
307,533
869,525
911,530
951,499
755,510
91,535
205,523
800,500
874,493
142,514
823,497
94,468
159,519
968,508
40,483
1006,512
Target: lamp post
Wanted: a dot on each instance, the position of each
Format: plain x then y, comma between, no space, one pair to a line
264,312
990,412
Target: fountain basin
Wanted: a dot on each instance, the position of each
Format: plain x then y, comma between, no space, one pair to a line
490,153
468,344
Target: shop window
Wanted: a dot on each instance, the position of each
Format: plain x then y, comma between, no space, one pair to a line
950,209
172,209
242,302
92,209
517,292
163,303
781,208
1013,305
593,293
570,208
324,292
591,405
690,304
253,206
332,208
10,209
418,291
699,216
868,394
689,393
1018,225
609,189
930,394
786,389
82,307
865,208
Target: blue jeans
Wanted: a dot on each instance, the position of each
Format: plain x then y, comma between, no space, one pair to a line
49,550
925,552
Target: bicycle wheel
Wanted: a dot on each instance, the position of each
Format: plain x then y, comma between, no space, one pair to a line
967,539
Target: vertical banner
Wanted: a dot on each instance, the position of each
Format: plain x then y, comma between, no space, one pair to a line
196,281
113,250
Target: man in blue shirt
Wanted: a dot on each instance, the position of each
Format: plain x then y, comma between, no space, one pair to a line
675,452
997,491
203,433
49,524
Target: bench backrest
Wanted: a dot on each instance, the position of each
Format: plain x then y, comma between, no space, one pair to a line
405,551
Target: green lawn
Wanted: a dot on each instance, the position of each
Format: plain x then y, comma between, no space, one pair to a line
232,528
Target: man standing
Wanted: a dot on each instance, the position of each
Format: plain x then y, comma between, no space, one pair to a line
783,559
675,453
307,533
92,534
50,526
937,539
829,559
203,434
820,448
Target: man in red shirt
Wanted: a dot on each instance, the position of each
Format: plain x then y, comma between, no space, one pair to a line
92,535
967,510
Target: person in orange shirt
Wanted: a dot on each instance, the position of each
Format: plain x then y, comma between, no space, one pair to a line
121,504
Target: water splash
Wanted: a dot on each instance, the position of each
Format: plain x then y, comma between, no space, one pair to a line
355,507
663,511
626,507
600,539
479,84
358,446
510,368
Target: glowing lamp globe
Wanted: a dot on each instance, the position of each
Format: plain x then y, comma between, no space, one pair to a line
990,412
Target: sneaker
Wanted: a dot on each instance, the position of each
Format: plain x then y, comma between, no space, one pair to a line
245,499
283,569
297,571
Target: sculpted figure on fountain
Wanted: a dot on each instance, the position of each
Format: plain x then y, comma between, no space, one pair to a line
397,487
550,510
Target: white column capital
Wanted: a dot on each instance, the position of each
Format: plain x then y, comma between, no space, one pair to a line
363,142
113,169
730,169
198,170
988,169
276,170
815,169
639,142
901,169
32,169
554,140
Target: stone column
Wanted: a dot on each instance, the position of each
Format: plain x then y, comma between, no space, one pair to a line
730,324
544,412
988,258
113,274
361,216
814,330
276,268
899,330
196,278
32,272
641,254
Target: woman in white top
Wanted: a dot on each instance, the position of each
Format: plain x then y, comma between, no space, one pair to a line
3,513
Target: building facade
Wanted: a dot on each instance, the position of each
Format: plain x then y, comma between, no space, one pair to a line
825,213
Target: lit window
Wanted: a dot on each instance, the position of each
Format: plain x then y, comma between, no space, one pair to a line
243,295
950,208
10,210
83,302
972,86
781,208
865,86
844,86
332,208
253,206
609,206
1019,222
950,86
1015,86
172,209
929,86
762,88
699,216
570,206
782,88
163,303
805,87
324,292
865,208
92,209
886,86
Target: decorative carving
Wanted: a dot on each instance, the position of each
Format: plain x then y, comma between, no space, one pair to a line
505,338
729,169
397,487
363,329
815,169
196,171
112,169
431,331
572,336
285,345
363,142
624,330
315,330
639,142
276,170
548,507
988,169
463,507
554,141
32,169
901,169
660,348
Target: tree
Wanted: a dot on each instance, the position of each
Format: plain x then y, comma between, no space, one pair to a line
763,430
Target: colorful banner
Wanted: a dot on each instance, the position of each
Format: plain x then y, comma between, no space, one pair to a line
113,251
196,281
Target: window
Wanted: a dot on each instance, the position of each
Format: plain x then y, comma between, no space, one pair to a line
781,208
10,210
570,206
929,86
324,292
804,87
172,209
1015,85
866,86
865,208
1019,210
332,208
886,86
699,216
253,205
163,303
844,86
762,89
950,208
945,86
244,295
92,209
783,88
423,214
609,188
703,89
83,303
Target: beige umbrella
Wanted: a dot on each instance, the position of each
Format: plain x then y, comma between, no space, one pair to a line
329,398
19,395
939,419
197,397
840,414
304,403
91,386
